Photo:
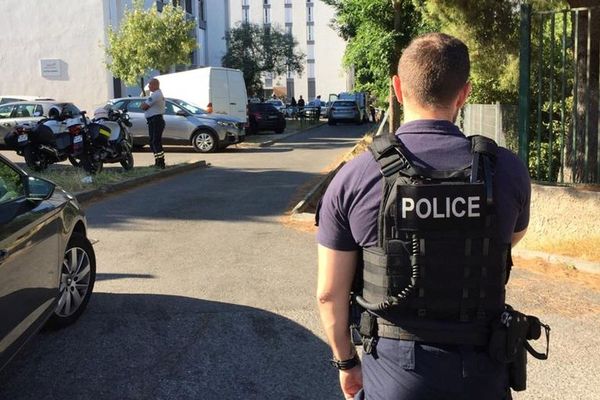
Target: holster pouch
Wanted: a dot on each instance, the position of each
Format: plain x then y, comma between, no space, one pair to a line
508,343
355,318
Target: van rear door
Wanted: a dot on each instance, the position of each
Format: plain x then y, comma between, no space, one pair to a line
237,95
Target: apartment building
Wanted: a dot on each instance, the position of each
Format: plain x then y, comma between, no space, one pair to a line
308,21
56,48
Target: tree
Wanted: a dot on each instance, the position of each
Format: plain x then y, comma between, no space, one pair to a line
376,32
255,50
148,40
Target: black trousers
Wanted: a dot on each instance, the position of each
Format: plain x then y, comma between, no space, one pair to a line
156,127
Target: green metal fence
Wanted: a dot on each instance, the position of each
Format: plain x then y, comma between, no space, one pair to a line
558,94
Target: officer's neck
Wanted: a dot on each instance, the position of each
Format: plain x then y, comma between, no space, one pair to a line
414,113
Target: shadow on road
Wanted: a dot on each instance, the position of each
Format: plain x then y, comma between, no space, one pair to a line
217,194
169,347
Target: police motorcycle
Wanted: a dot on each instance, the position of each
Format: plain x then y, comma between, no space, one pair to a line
438,271
54,139
107,140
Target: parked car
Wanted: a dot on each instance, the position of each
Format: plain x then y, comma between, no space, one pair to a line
345,111
278,104
264,117
21,112
185,123
14,98
47,264
311,108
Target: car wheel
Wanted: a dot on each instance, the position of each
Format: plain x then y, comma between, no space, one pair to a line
205,142
77,277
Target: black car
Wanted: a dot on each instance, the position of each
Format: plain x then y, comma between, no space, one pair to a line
264,117
47,264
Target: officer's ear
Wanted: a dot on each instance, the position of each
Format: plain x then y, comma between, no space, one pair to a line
397,88
463,95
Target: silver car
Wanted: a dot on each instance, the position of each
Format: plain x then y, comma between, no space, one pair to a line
185,123
21,112
345,110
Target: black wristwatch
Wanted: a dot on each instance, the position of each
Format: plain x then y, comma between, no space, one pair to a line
344,365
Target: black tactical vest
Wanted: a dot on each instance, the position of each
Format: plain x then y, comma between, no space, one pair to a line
438,271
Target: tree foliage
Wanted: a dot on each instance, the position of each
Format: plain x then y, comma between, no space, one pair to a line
374,42
255,50
148,40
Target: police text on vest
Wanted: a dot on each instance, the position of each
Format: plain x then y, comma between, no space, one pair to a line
446,207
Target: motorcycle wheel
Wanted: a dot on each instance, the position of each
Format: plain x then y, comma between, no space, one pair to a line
127,162
90,165
34,160
75,162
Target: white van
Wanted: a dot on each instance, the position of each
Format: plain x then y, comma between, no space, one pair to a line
223,87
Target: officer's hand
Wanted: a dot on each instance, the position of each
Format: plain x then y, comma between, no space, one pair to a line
351,381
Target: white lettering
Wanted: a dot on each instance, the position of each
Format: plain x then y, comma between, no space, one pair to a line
473,206
447,207
421,214
454,210
436,214
408,204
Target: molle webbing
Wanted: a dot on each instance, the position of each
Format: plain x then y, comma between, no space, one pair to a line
461,268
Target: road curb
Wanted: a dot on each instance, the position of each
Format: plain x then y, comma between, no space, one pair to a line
87,196
279,137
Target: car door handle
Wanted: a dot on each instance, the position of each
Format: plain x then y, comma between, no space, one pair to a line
232,104
3,255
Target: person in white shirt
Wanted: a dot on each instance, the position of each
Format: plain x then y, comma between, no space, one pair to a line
154,108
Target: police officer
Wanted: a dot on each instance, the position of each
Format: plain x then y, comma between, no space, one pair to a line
154,108
429,340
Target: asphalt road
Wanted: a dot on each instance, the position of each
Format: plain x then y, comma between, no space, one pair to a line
202,293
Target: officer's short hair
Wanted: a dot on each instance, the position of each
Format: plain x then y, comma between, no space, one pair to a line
433,69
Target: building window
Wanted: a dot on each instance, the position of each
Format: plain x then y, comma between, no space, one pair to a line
245,3
201,14
288,2
310,51
310,33
309,13
246,15
266,2
288,15
288,29
312,88
159,5
310,67
267,15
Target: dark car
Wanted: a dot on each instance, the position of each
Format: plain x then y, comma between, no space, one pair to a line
264,117
47,264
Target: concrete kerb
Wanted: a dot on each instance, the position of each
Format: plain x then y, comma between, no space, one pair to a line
88,195
272,139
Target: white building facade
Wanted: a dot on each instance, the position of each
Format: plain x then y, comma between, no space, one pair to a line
308,21
56,48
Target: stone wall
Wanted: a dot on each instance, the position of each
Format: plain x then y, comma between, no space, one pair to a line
564,220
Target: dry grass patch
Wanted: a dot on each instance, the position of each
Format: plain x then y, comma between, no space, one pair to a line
76,180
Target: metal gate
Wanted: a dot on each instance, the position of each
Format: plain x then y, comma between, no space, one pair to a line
559,76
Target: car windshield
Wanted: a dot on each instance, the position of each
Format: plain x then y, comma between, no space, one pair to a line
275,102
189,107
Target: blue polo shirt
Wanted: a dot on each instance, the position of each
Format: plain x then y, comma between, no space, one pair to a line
349,208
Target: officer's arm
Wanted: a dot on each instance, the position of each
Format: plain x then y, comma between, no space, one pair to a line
336,272
146,104
516,236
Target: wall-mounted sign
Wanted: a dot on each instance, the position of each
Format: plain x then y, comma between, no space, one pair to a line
50,68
